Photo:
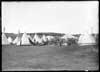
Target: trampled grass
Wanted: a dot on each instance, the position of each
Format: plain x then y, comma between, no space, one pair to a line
49,57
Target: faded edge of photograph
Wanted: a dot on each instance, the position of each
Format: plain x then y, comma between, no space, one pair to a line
45,36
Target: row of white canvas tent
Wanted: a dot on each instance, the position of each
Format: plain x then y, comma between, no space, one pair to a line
84,39
24,40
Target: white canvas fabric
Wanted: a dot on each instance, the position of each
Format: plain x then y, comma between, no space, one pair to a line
65,37
71,36
44,38
68,36
4,40
40,40
33,40
25,39
37,39
86,39
50,37
10,39
17,41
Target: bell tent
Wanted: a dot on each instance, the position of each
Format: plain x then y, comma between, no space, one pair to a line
37,39
17,41
86,39
4,40
25,39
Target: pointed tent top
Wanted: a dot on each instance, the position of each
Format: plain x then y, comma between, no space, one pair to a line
4,29
36,34
19,34
44,37
25,39
18,31
24,33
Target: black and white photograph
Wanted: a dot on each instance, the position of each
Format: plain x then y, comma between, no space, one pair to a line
50,35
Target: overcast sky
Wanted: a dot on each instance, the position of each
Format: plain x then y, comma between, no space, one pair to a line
60,17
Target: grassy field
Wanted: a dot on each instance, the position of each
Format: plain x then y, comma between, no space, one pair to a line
49,57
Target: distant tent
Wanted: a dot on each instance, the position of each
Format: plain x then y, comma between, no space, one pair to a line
17,41
10,39
4,40
71,36
37,39
25,39
66,36
44,38
30,39
49,37
86,39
